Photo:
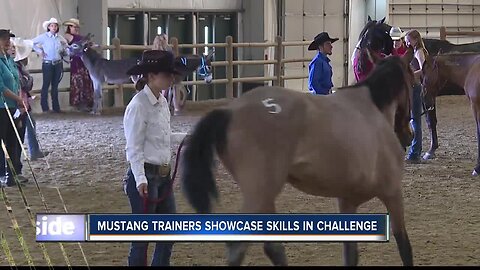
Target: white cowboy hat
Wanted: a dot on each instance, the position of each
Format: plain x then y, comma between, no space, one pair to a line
47,23
72,22
23,48
396,33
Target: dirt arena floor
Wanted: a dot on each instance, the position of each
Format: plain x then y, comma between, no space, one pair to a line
87,162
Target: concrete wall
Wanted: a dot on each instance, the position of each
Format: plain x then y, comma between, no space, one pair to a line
92,14
377,9
252,31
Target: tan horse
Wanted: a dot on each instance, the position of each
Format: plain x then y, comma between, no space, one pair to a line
458,69
341,145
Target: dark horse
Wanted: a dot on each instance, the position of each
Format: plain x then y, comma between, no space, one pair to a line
373,37
347,145
460,69
102,70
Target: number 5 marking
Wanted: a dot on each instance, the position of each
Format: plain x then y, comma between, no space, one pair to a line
267,103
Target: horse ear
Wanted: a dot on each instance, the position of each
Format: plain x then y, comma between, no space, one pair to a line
369,18
381,21
87,38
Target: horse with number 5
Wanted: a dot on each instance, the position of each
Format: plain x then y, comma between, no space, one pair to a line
349,145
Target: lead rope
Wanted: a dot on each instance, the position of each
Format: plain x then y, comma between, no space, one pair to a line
56,188
22,193
12,217
168,192
6,250
170,188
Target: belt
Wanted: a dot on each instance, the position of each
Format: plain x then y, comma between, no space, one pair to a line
54,62
162,170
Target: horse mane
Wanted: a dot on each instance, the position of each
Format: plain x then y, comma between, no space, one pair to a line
365,28
385,82
92,55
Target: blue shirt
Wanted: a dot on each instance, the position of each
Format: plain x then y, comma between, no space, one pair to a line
9,79
320,75
52,45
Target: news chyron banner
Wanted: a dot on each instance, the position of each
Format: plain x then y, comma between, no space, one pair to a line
212,227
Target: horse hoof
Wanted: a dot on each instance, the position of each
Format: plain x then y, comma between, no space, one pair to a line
428,156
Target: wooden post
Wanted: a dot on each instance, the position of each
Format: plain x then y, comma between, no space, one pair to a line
117,55
229,58
175,49
278,57
443,33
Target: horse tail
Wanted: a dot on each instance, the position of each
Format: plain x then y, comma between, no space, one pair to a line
197,177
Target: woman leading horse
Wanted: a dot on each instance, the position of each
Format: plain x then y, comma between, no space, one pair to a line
347,145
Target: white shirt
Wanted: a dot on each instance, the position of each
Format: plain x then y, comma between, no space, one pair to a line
147,132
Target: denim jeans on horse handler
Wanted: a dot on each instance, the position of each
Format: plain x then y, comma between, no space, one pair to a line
51,75
415,150
157,186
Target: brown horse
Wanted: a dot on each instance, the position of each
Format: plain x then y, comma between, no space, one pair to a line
347,145
459,69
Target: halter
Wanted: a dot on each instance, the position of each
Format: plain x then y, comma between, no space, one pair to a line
202,71
434,66
184,61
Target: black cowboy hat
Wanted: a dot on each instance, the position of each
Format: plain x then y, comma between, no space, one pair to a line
320,39
6,33
155,61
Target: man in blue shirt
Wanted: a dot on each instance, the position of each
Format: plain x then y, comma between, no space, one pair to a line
319,70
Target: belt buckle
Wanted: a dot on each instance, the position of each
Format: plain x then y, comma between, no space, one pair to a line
164,170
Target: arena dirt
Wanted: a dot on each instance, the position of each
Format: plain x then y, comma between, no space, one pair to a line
87,162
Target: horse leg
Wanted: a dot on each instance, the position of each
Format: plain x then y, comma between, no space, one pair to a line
475,104
97,97
350,249
253,183
236,252
276,253
181,95
170,98
432,125
394,205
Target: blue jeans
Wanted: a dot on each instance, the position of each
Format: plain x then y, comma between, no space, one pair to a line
416,147
157,186
28,130
51,75
31,135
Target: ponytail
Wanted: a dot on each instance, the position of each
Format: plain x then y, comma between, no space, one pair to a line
141,83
